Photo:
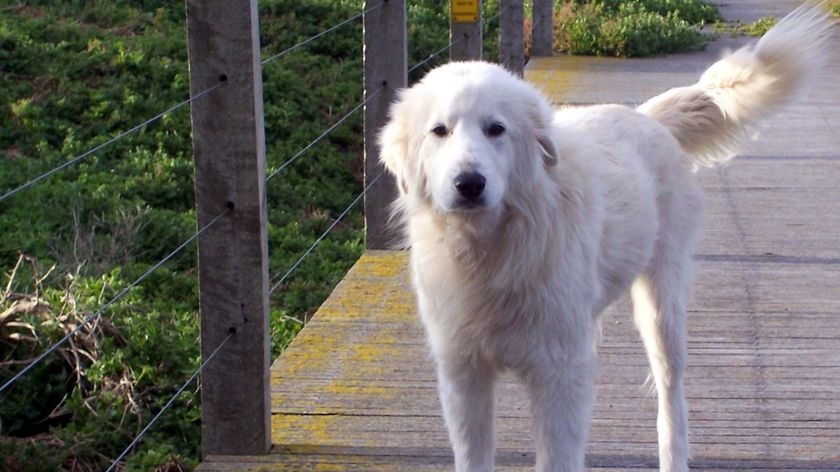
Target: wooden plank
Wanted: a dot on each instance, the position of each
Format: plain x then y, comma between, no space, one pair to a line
229,148
359,383
371,382
786,208
512,36
385,70
465,38
379,460
542,28
428,433
773,288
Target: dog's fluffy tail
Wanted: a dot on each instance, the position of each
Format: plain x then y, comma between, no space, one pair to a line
711,118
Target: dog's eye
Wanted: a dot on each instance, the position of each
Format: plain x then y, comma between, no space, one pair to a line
494,130
440,130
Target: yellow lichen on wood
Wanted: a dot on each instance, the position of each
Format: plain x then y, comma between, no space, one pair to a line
555,78
339,346
339,388
390,264
303,429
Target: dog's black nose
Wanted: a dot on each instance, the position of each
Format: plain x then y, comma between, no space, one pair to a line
470,184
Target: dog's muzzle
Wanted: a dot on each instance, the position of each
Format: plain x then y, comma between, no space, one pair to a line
470,187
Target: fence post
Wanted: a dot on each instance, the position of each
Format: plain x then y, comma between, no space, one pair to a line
512,36
542,31
465,30
229,148
386,71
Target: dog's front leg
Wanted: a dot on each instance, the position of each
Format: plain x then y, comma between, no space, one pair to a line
561,401
466,394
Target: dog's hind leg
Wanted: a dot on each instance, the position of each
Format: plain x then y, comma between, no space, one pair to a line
660,317
659,308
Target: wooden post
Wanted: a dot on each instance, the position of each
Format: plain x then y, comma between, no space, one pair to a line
512,36
229,148
465,30
542,31
386,71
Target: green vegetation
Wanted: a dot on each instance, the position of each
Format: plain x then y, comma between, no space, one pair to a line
631,27
756,28
75,74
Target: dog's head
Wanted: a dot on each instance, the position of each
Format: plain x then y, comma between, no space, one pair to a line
460,138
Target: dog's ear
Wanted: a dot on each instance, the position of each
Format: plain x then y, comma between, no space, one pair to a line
393,145
541,115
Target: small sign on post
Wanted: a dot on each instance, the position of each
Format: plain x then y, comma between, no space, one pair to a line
465,30
465,11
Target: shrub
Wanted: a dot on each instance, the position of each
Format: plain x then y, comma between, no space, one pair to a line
691,11
632,27
756,28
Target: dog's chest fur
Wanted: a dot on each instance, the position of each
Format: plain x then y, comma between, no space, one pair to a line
495,297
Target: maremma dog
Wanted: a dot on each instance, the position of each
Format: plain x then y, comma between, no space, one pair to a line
525,221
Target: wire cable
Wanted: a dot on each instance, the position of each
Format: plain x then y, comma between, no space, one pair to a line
168,404
432,56
322,33
108,142
488,20
448,46
324,134
324,234
101,309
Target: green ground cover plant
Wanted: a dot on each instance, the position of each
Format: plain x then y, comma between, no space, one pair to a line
629,28
756,28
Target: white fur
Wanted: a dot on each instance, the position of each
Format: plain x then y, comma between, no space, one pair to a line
745,86
580,205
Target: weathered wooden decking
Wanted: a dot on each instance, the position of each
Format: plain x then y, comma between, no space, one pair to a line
355,391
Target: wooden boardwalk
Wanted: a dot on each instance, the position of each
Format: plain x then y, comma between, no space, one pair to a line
356,392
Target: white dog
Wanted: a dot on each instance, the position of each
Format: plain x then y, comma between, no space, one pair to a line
525,222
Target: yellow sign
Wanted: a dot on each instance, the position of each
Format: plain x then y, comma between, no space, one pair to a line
465,11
